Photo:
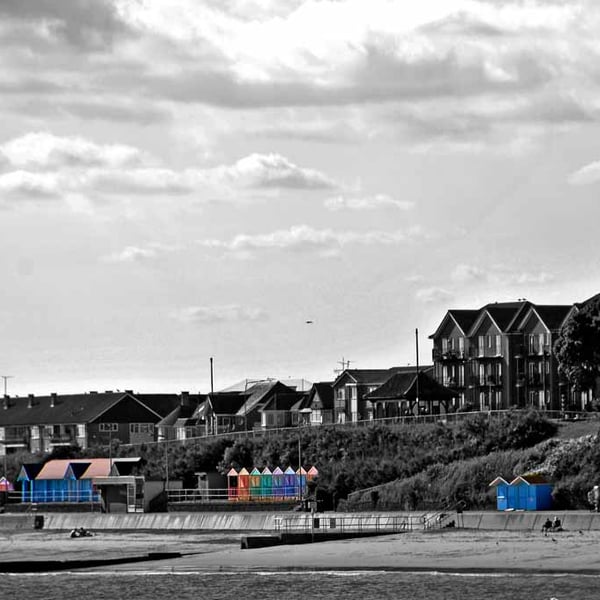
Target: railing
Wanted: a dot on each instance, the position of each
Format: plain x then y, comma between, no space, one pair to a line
406,420
49,496
347,524
199,496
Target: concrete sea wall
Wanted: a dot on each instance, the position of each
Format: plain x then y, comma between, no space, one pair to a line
266,521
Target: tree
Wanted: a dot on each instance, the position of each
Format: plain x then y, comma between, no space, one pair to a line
578,346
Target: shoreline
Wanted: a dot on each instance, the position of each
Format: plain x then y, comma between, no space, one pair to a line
460,552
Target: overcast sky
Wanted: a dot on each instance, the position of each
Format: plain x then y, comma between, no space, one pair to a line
191,178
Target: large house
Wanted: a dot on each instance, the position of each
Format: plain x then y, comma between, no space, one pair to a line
352,386
500,355
43,423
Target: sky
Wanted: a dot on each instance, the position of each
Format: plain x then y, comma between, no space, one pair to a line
283,185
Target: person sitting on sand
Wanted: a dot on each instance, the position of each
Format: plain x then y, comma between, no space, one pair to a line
556,524
546,527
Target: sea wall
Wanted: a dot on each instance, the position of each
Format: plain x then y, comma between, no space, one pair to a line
266,521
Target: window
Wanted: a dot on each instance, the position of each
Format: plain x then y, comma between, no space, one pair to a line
461,345
444,345
498,345
35,433
481,345
461,375
141,427
81,431
104,427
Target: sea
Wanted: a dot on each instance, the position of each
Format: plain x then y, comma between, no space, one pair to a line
321,585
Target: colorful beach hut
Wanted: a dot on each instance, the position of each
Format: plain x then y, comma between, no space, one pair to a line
278,484
232,484
526,492
5,485
255,484
301,481
289,483
266,484
243,484
312,473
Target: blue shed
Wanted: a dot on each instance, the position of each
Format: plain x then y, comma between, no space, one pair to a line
502,492
526,492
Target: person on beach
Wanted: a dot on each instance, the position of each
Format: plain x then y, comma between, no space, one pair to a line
594,498
546,527
556,524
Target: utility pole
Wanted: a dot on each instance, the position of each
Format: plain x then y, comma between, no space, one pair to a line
417,351
6,378
211,376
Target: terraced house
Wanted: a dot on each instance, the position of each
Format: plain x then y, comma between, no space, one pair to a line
43,423
500,355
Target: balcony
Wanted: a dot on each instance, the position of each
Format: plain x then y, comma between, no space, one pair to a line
448,355
539,350
534,379
62,439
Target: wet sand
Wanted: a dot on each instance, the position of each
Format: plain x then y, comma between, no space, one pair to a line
446,550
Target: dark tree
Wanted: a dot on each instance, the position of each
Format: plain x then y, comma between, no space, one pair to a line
578,346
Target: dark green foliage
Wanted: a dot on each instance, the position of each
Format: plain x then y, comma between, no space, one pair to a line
578,346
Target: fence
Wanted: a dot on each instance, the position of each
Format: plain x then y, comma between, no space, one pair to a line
448,418
231,495
348,524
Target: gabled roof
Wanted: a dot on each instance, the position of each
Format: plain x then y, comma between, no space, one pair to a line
498,481
553,315
376,376
29,471
503,314
463,318
226,403
324,390
283,401
62,409
530,479
85,468
404,386
260,393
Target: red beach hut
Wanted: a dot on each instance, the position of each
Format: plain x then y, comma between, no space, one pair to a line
312,473
232,484
243,484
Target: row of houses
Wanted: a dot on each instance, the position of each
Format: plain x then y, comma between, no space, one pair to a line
45,423
498,356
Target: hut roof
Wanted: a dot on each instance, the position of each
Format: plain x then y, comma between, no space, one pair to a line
530,479
404,386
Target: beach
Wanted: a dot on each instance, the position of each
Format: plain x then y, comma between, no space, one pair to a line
457,550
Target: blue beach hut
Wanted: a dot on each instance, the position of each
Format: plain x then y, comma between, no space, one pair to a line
526,492
301,481
289,483
502,486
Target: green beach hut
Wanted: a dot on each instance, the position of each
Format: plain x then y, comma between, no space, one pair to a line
266,484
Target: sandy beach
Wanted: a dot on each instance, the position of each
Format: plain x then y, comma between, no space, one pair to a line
447,550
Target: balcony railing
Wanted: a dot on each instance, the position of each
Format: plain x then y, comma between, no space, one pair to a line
449,354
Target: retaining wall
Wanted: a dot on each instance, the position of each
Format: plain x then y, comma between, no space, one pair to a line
265,521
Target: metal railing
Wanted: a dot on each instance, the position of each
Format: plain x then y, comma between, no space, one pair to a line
195,495
347,524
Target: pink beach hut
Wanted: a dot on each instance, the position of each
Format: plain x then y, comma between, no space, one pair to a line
232,484
312,473
243,484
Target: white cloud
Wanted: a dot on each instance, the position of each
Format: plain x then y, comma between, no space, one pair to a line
35,186
464,273
132,254
272,170
211,314
48,151
433,295
586,175
367,203
304,238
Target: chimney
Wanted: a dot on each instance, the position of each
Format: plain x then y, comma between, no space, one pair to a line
6,403
52,399
184,398
30,400
130,392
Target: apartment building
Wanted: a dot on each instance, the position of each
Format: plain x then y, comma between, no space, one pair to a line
500,355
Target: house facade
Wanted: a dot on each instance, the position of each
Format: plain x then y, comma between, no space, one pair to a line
352,386
43,423
501,355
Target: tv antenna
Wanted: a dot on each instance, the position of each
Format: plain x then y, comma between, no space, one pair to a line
6,378
345,364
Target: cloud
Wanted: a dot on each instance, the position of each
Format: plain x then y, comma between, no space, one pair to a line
35,186
367,203
433,295
219,314
132,254
47,151
586,175
302,238
80,23
272,170
466,273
